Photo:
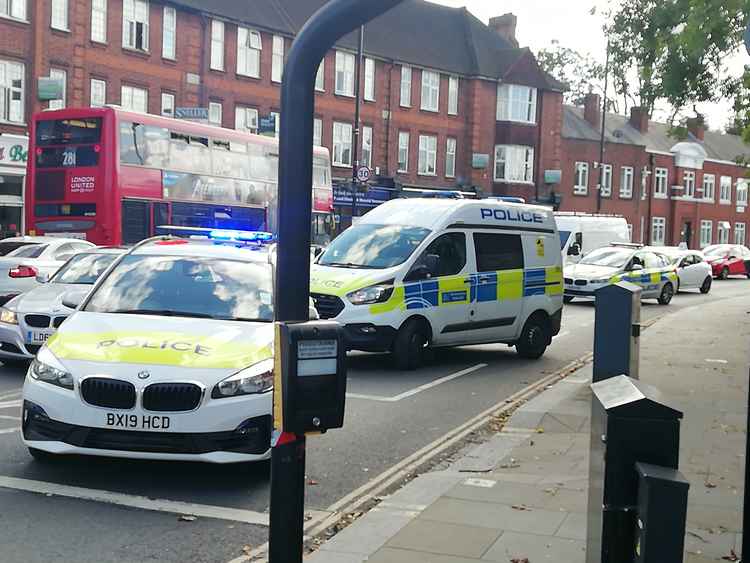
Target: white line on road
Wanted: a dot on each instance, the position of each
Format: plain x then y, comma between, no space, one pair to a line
135,501
6,417
13,394
9,430
416,390
10,404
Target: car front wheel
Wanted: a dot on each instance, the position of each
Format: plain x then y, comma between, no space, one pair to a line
667,292
724,273
409,346
706,286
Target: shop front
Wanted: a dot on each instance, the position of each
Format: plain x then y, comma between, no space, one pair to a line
14,152
366,200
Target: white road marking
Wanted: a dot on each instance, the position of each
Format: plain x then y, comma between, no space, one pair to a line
6,417
10,404
482,483
417,390
135,501
9,430
13,394
716,361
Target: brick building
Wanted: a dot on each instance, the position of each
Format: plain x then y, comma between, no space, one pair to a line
692,191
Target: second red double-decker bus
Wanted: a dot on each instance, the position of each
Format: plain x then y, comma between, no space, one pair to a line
113,176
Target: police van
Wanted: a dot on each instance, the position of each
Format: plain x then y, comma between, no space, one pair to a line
415,273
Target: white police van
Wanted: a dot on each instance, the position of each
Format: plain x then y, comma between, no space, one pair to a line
416,272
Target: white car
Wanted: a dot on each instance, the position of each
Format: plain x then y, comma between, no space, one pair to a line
693,272
35,256
28,320
169,357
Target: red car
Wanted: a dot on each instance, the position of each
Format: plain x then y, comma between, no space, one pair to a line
728,260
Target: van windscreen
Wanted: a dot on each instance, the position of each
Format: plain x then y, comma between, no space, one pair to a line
373,246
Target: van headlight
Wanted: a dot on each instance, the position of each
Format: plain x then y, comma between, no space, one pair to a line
253,380
50,374
374,294
8,316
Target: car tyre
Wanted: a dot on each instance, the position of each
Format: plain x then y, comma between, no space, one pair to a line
568,299
706,286
43,457
724,273
535,337
409,346
667,292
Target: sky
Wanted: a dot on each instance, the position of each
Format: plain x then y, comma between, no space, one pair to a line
571,23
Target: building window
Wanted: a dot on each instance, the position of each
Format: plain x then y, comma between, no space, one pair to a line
403,151
626,182
11,92
742,193
581,182
450,158
662,182
516,103
427,155
606,183
135,24
739,233
215,113
514,163
453,95
249,46
366,147
344,74
277,62
707,228
318,132
134,99
320,78
60,14
246,119
167,104
217,45
342,143
169,33
15,9
725,190
370,80
97,93
60,76
98,20
658,228
709,186
688,183
722,232
406,86
430,90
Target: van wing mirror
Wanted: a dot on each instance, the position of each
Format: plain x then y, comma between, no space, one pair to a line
574,249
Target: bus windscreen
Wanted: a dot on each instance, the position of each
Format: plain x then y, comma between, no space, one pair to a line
84,131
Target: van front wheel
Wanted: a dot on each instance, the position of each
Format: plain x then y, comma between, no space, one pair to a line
534,339
409,346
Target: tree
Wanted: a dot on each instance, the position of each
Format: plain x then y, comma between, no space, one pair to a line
580,73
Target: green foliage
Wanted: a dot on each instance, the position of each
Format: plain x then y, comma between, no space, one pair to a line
580,73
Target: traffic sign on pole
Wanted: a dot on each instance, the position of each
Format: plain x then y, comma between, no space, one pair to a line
364,174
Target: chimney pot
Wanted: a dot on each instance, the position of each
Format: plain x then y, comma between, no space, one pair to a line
505,27
592,112
639,119
696,127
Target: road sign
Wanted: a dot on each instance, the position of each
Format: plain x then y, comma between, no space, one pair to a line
191,113
49,89
364,174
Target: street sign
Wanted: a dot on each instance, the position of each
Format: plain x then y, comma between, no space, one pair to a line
364,174
191,113
267,125
552,176
480,160
49,89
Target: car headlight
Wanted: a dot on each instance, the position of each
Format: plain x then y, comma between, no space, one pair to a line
50,374
599,281
256,379
374,294
8,316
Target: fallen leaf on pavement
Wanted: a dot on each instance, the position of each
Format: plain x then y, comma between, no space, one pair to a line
312,482
731,557
540,430
520,507
247,549
710,485
187,518
517,560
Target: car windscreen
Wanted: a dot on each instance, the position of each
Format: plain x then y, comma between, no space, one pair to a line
564,236
83,269
719,250
373,246
611,257
185,286
8,247
30,251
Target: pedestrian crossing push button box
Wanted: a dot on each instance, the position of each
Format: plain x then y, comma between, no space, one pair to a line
310,378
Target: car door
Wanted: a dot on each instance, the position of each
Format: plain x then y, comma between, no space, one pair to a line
736,261
443,296
651,278
689,272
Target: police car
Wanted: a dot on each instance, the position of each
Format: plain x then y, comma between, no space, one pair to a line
169,357
653,272
414,273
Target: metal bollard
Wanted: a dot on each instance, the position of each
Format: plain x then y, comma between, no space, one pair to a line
617,331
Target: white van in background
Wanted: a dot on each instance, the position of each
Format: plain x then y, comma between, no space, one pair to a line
580,233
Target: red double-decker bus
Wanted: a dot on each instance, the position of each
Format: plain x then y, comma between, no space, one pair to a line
113,177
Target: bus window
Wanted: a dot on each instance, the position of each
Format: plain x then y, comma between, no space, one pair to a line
230,160
156,147
264,165
321,176
189,153
131,143
68,131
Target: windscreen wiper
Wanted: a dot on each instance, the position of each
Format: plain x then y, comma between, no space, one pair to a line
163,313
349,265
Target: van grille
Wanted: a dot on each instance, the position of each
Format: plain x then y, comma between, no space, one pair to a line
328,306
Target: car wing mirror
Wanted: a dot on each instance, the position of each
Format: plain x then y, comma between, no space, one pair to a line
42,277
635,267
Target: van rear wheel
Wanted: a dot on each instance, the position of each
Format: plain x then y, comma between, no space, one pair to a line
535,337
409,346
667,292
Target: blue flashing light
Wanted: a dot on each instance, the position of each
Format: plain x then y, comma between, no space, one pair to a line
240,236
508,199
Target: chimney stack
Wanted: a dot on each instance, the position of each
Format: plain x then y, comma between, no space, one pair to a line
592,112
639,119
696,127
505,27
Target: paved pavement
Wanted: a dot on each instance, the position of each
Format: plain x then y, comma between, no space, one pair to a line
390,416
522,495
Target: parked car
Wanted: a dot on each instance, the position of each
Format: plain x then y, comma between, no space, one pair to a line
728,260
693,272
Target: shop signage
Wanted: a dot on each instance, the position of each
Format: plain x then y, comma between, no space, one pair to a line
49,89
191,113
552,176
479,160
267,126
13,151
370,198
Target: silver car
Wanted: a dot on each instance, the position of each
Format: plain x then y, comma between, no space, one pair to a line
27,321
34,256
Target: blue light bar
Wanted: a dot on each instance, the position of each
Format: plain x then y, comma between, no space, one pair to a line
241,236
